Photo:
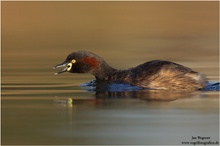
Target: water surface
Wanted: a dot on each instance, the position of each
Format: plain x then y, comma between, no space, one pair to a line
34,113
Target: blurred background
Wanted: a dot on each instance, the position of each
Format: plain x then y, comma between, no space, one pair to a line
35,36
38,35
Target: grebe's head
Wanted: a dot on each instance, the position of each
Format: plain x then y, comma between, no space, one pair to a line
80,62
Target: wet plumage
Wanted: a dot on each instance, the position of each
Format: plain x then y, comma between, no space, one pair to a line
154,74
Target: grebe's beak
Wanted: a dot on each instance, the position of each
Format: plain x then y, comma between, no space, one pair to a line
64,64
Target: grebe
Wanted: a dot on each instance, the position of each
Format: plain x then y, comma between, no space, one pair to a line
154,74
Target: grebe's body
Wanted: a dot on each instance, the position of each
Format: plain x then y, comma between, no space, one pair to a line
154,74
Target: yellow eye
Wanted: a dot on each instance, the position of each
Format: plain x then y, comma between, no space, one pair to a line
73,61
69,66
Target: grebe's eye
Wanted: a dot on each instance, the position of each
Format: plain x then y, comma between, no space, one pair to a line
73,61
69,66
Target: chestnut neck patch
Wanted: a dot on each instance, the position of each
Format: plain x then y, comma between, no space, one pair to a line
93,62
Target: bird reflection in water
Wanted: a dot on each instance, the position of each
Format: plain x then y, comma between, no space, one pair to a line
108,93
114,91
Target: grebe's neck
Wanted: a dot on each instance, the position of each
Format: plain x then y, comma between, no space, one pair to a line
103,72
107,74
